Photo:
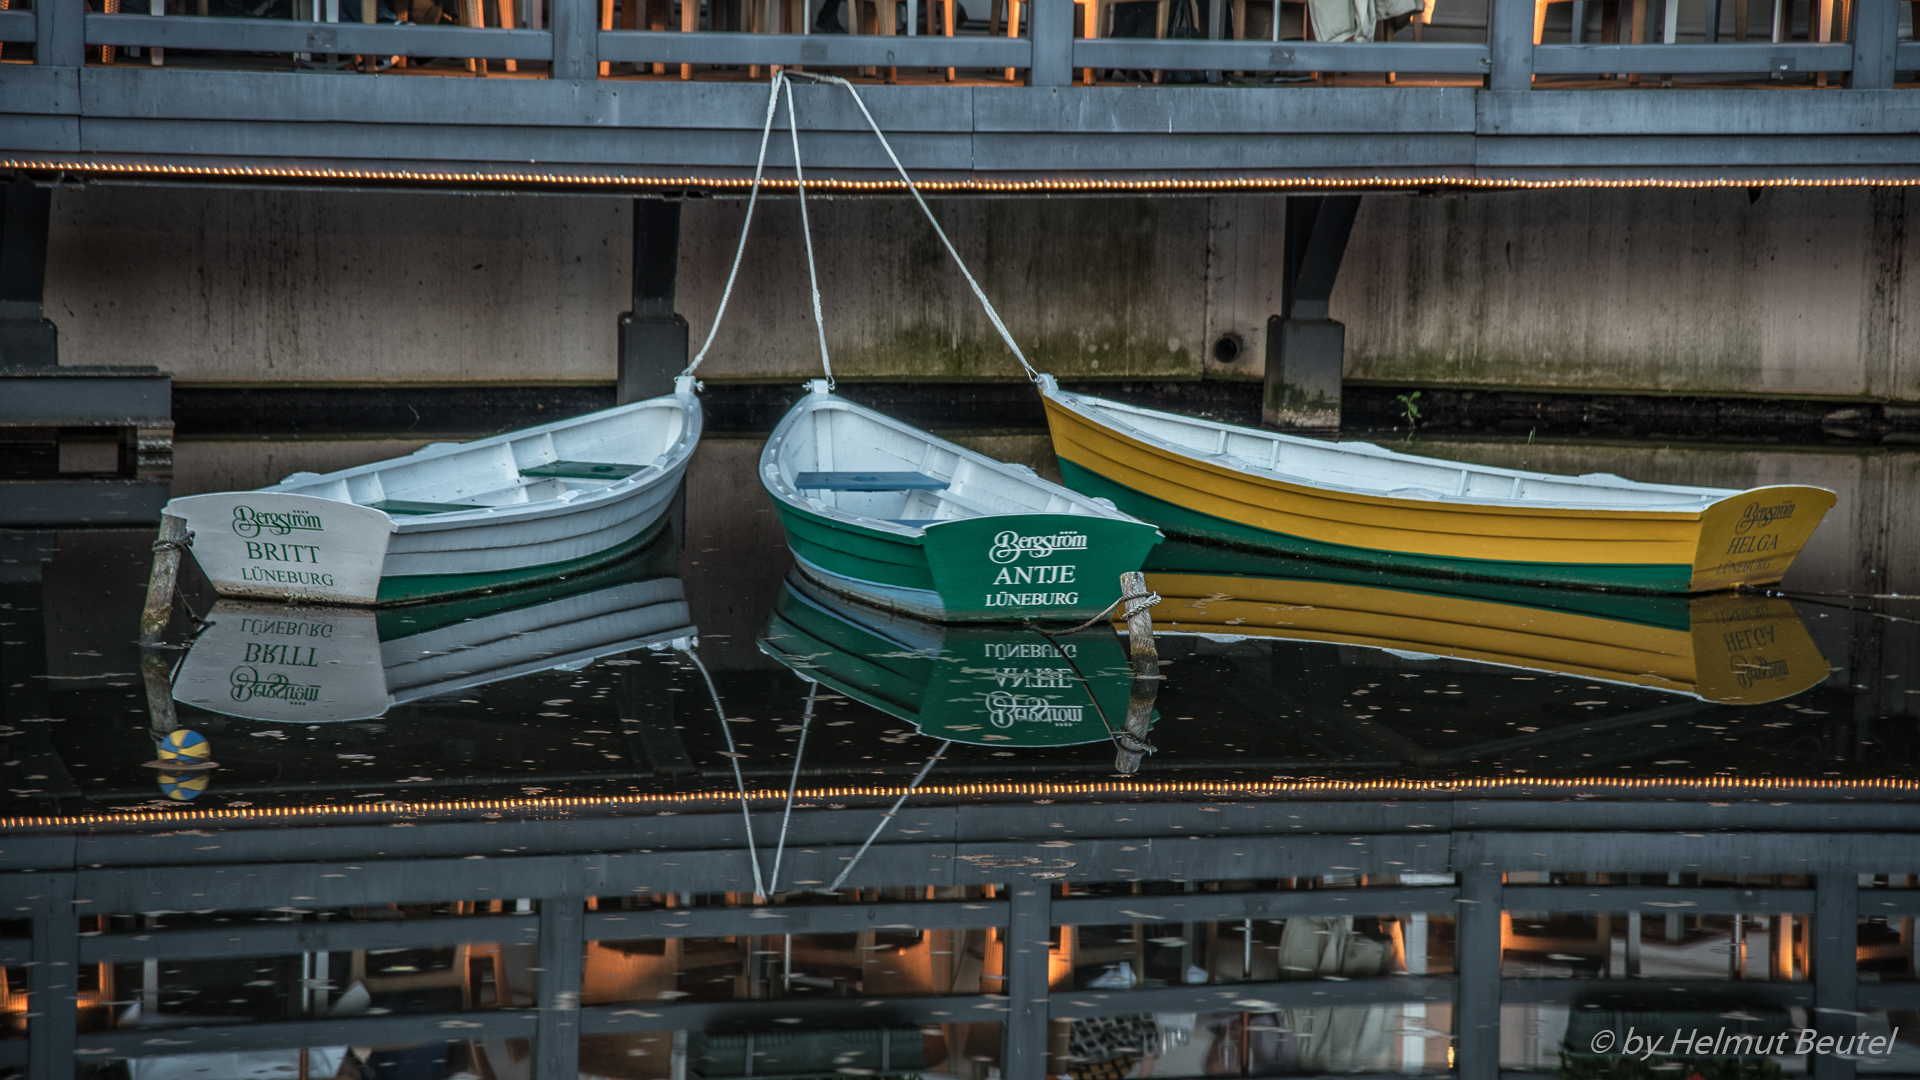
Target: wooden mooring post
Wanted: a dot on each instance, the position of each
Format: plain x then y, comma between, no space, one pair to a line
160,582
1144,658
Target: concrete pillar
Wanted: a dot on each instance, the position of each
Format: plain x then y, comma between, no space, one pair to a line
27,339
653,339
1305,348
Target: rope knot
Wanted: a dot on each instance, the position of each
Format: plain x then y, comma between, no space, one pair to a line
1139,602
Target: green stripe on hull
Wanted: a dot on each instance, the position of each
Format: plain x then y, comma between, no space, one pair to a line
416,588
1647,577
854,552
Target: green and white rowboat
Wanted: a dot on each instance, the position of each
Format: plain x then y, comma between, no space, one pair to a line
453,518
895,517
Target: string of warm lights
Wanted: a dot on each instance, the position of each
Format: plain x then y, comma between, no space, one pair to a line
1163,184
1211,789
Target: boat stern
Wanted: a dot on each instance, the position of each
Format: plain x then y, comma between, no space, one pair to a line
1033,566
1753,537
279,546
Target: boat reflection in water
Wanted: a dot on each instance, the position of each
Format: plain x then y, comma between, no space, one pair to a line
1726,648
987,685
283,663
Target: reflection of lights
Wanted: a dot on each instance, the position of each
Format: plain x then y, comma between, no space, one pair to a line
609,181
1204,789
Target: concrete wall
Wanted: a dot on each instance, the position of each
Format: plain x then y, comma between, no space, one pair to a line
1089,287
227,286
352,287
1799,292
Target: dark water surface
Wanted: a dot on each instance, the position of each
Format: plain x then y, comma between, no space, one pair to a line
1388,824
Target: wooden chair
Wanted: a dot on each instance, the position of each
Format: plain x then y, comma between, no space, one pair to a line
1610,29
1382,30
473,13
882,16
763,17
1096,16
657,12
1240,19
1820,23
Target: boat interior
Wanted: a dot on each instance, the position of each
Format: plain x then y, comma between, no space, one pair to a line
560,461
1369,469
846,458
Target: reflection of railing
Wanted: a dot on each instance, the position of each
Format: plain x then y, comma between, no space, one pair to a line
1050,54
1490,869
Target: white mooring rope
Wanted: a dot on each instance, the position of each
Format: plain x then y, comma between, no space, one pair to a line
914,189
759,170
806,231
784,78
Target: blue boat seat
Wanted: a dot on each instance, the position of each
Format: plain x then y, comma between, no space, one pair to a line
406,506
867,481
583,470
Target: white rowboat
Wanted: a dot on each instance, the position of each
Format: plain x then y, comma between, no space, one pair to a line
453,518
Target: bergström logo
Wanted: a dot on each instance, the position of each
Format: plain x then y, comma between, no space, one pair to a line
246,684
1762,516
249,522
1008,546
1006,709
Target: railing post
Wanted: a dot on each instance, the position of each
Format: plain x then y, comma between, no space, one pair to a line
1835,945
576,39
1051,24
1029,933
1510,45
61,27
53,1021
556,1041
1875,34
1476,1022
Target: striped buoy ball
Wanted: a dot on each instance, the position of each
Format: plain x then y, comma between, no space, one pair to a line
186,744
182,788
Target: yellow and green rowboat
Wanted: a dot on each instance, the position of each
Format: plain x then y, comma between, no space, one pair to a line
1358,503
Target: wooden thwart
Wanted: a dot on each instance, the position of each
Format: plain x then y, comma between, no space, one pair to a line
583,470
868,481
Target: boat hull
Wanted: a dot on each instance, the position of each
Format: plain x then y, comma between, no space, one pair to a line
898,518
339,553
1748,538
321,545
987,569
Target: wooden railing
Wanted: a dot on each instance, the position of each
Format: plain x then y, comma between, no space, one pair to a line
1049,55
